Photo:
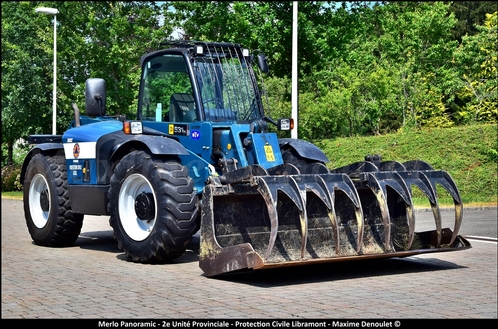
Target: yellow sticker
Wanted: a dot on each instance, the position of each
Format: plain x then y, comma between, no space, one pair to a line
270,157
171,129
229,146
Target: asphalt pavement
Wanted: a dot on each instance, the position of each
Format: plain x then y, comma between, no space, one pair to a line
94,280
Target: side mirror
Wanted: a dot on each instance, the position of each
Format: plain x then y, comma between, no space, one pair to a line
95,97
263,63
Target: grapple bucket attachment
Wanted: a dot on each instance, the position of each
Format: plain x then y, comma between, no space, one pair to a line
254,218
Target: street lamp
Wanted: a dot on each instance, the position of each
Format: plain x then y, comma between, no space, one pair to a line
295,91
52,11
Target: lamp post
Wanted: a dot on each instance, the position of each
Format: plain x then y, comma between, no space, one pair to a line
52,11
294,95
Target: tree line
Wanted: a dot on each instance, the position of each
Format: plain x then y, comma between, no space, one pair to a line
364,67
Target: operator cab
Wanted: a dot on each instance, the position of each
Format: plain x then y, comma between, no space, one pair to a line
166,90
198,81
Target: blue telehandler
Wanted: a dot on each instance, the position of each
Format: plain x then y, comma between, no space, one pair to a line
202,155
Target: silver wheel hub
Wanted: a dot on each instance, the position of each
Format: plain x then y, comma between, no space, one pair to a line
39,200
136,207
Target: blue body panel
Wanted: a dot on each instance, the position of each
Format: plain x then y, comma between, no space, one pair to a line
91,132
235,141
264,150
80,149
76,170
197,137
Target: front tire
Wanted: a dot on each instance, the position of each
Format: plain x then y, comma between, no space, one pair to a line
153,208
47,208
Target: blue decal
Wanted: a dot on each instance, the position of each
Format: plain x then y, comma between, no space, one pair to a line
196,134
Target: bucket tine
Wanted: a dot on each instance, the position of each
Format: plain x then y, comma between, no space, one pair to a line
419,179
391,166
446,181
417,165
342,182
458,221
380,195
378,182
268,187
315,184
284,169
394,180
356,169
437,217
314,168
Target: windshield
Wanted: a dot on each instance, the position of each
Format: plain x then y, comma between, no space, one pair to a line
226,85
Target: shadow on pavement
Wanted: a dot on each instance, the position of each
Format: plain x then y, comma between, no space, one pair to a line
283,276
104,241
98,240
267,278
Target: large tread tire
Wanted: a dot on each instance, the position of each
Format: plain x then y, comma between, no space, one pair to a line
47,207
168,229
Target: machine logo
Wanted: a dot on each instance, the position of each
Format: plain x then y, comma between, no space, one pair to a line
196,134
76,150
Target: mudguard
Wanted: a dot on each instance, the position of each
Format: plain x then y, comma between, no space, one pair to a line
304,149
113,146
91,160
39,149
159,145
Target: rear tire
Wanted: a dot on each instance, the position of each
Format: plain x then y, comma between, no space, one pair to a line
153,208
47,208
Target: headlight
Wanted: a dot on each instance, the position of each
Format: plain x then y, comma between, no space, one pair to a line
132,127
286,124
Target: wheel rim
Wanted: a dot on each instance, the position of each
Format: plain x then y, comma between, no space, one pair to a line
135,187
39,201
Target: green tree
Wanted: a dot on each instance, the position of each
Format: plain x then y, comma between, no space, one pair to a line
390,65
469,15
252,24
26,74
106,40
263,25
94,39
477,60
417,39
364,67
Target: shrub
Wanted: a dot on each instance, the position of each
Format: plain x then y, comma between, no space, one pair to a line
11,178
